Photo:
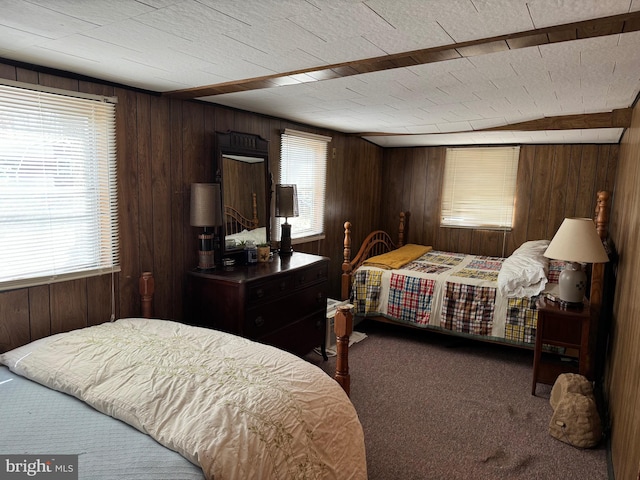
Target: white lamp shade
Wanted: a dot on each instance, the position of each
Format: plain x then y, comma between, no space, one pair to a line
577,241
205,205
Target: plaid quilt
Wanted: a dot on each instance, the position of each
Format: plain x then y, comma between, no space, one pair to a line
450,291
366,291
468,308
522,318
410,298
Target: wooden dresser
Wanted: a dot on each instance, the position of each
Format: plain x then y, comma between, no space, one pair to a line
282,302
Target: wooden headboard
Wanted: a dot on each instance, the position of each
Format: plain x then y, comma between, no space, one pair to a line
235,222
376,243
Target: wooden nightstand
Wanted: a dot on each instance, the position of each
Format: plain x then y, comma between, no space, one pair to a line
560,327
282,302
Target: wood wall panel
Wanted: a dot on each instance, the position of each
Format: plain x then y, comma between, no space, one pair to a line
39,312
554,182
68,303
14,319
623,372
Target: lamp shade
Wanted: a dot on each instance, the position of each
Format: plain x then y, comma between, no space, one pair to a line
286,201
205,205
577,241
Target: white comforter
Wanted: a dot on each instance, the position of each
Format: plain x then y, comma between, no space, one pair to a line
239,409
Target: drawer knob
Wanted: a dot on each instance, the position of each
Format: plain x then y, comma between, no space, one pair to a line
259,321
319,297
259,293
283,285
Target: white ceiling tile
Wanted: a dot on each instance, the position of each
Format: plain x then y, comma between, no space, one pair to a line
343,50
190,20
256,12
349,21
95,13
14,39
397,41
484,19
548,12
27,17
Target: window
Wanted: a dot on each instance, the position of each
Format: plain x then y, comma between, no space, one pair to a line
479,187
58,210
303,162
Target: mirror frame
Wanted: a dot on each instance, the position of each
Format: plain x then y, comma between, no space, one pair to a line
248,145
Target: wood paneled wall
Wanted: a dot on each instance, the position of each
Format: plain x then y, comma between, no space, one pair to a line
554,182
163,146
623,373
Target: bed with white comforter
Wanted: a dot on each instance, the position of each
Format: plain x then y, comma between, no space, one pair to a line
236,408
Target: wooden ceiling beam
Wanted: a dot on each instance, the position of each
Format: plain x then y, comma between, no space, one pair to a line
620,118
628,22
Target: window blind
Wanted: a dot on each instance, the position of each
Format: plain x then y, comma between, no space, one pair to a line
303,162
58,197
479,187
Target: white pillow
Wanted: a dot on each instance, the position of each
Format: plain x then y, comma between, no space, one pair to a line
524,273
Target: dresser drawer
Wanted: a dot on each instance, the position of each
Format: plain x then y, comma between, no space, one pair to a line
311,275
258,292
299,337
273,315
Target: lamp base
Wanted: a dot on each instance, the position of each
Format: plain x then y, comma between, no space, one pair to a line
285,241
573,283
206,260
206,252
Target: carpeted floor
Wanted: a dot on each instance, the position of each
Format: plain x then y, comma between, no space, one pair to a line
438,407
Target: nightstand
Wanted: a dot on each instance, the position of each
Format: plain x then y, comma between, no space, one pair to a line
560,327
282,302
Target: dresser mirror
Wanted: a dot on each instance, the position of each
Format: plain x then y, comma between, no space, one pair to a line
242,169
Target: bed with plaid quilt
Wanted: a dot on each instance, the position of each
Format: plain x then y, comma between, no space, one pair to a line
453,292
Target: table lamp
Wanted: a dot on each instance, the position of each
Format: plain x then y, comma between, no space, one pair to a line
206,212
286,206
575,242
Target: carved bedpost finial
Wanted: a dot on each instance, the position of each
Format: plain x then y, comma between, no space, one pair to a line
146,286
346,253
602,214
343,327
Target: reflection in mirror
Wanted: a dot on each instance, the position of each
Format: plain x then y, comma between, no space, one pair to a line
242,168
244,200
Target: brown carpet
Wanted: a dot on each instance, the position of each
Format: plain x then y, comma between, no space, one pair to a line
439,407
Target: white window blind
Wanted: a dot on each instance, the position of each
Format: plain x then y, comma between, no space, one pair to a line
479,187
303,162
58,210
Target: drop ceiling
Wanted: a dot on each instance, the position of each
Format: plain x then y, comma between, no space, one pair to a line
396,72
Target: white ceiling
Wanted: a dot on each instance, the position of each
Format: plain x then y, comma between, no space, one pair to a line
168,45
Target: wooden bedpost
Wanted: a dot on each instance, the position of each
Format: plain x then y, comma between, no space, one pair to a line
597,269
343,327
401,227
346,262
146,286
254,205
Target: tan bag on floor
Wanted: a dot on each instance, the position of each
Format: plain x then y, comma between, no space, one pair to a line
575,417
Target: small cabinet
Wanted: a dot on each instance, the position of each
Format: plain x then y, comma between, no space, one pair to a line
282,302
